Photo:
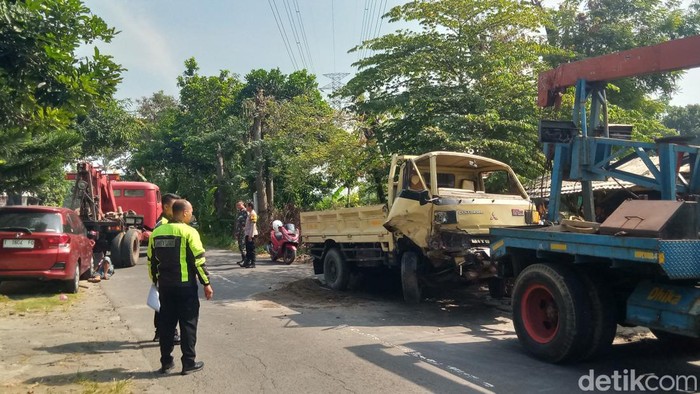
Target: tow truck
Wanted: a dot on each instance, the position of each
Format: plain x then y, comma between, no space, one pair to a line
641,266
119,233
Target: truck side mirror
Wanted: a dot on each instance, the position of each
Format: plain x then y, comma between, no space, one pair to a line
424,197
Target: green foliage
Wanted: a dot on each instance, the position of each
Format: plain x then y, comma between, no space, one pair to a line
587,28
464,81
108,131
685,120
44,86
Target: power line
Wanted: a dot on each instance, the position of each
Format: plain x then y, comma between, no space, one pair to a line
378,25
303,34
296,35
362,31
333,28
283,33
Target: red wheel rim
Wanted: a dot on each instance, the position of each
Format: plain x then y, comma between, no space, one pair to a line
540,313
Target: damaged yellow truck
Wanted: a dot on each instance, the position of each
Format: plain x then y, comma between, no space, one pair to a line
434,228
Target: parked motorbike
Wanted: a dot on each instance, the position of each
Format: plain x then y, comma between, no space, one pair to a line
284,240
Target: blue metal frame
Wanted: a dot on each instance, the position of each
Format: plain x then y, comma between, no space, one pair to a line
589,158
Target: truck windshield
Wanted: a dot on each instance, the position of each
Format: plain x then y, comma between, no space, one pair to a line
499,182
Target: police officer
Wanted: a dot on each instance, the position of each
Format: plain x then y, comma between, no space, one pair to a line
175,262
167,202
239,229
251,231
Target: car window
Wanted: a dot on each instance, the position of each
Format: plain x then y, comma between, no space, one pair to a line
77,224
68,225
33,221
117,193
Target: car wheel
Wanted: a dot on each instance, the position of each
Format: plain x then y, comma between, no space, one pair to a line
72,285
130,248
115,250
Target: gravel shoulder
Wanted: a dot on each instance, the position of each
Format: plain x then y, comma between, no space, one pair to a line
82,346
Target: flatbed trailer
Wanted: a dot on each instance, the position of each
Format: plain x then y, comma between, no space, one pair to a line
641,266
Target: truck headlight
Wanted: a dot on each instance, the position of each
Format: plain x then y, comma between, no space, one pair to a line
440,218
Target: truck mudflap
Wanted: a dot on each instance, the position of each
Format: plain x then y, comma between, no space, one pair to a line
666,307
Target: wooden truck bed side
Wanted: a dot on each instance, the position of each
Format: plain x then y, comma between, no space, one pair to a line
347,225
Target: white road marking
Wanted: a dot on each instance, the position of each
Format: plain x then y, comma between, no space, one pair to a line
222,278
446,367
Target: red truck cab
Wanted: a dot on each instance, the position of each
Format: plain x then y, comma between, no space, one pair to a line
140,197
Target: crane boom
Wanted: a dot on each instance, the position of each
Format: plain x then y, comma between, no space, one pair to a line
671,55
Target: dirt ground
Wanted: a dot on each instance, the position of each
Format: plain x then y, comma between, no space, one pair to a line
80,347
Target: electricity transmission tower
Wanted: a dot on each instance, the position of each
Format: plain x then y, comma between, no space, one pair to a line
336,102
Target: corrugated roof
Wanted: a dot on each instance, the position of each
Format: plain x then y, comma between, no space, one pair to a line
539,188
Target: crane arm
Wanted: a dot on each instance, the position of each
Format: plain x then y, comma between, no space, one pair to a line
671,55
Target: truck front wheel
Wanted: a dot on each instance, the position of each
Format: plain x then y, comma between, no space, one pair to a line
130,248
551,312
410,285
336,271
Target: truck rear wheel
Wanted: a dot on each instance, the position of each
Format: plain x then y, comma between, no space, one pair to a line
336,271
603,317
130,248
551,312
115,250
410,285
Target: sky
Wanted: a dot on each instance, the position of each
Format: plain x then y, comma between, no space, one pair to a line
156,36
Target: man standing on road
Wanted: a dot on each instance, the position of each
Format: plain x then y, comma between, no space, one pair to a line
167,202
251,231
239,229
175,262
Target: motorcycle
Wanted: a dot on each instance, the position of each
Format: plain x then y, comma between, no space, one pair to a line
284,240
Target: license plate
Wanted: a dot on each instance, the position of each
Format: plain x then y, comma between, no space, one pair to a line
18,243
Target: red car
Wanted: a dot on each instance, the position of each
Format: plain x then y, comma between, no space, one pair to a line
44,243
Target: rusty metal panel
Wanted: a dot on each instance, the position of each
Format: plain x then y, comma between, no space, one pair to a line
656,219
672,55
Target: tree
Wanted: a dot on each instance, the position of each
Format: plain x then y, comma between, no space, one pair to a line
465,81
686,120
108,132
44,86
263,88
588,28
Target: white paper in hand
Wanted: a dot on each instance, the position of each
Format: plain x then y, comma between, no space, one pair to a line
153,301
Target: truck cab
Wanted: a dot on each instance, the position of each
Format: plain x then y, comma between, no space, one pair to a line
446,202
141,197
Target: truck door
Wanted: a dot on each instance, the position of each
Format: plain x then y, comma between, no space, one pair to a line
411,211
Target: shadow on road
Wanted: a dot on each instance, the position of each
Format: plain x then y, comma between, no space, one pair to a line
96,375
95,347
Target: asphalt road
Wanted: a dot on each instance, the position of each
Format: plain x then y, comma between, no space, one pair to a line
273,329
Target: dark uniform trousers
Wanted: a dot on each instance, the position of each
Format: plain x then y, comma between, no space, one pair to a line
178,304
250,251
242,245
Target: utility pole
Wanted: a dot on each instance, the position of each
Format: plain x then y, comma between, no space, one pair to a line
259,160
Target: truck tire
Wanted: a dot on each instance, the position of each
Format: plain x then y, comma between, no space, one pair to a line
336,271
603,317
551,312
130,248
410,284
115,252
